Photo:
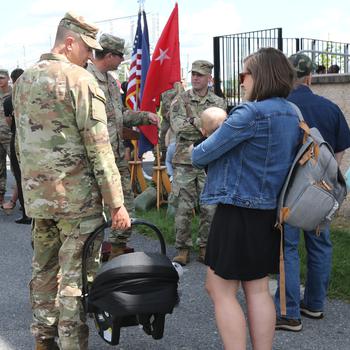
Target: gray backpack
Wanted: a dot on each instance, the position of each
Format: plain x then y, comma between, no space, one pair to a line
312,192
315,187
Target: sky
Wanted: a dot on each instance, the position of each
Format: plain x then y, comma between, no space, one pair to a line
28,27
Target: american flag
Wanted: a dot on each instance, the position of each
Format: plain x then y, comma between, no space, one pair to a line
134,84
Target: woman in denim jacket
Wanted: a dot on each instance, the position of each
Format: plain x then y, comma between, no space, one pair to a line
249,157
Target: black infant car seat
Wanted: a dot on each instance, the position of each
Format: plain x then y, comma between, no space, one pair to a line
132,289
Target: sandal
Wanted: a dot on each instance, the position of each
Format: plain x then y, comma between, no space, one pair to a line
9,205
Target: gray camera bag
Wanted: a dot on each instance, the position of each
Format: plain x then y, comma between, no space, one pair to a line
312,192
315,187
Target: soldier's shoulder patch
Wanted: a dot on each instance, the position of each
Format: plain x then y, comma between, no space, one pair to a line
97,93
175,105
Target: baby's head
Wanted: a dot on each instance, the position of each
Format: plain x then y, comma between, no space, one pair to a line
211,119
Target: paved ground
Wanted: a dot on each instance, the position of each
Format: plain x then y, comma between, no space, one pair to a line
191,326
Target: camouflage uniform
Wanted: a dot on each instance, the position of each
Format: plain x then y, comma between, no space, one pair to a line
166,98
5,137
117,117
68,169
188,181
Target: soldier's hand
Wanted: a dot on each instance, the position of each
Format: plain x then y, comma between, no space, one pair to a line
153,119
120,218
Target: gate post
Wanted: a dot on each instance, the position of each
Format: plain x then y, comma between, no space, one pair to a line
280,39
217,77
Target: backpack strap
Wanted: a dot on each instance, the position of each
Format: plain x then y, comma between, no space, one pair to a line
282,214
282,277
298,111
302,123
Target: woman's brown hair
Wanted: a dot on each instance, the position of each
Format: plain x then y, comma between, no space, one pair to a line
272,73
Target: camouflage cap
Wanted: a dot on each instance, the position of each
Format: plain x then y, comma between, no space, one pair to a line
112,43
202,67
79,25
4,73
302,64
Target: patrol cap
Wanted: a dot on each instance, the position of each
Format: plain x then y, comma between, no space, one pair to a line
113,44
4,73
302,64
202,67
79,25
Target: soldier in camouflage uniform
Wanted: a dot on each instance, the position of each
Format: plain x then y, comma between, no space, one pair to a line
69,173
188,181
107,60
5,131
166,98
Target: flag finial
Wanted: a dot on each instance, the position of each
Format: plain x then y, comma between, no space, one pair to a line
141,3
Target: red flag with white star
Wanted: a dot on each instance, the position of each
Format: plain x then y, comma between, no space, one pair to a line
163,72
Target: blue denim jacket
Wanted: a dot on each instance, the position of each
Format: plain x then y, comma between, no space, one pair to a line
250,154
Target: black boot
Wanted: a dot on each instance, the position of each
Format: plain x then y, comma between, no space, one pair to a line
25,220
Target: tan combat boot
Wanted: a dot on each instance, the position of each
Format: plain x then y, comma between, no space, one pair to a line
46,344
119,249
201,255
183,256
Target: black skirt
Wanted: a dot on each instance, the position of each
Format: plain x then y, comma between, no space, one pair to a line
243,243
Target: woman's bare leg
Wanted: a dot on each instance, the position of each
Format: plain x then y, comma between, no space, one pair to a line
261,313
228,312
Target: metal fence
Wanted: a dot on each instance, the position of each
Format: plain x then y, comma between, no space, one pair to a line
323,53
230,50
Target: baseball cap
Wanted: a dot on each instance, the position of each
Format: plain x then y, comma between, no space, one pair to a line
4,73
79,25
202,67
112,43
302,64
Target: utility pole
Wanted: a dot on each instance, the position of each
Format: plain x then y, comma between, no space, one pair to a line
132,27
24,57
155,29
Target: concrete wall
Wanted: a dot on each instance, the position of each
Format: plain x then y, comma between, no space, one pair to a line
336,87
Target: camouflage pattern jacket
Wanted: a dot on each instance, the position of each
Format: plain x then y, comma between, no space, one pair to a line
5,131
166,98
185,114
66,158
117,116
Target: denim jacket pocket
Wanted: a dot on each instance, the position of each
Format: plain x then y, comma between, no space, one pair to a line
217,183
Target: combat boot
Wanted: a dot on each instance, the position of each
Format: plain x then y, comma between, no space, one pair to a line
201,255
119,249
183,256
46,344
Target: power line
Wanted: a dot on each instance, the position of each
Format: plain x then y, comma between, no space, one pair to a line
118,18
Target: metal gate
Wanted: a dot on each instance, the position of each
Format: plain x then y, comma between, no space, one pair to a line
230,50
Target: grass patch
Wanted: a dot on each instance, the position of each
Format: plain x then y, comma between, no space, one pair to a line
340,234
340,276
166,225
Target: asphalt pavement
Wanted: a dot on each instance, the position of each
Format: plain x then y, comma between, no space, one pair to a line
191,326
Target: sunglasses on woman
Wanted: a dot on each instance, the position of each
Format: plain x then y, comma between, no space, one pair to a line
241,76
